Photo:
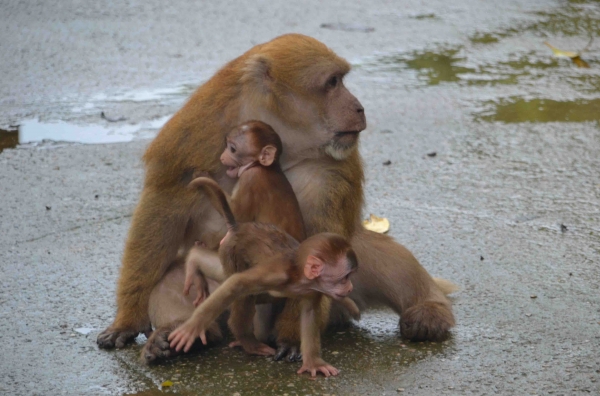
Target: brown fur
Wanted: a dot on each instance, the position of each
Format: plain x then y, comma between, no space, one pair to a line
261,258
294,84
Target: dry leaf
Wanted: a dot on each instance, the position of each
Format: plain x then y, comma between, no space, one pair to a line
166,384
574,56
377,224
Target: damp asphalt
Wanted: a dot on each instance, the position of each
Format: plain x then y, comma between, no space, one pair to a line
482,149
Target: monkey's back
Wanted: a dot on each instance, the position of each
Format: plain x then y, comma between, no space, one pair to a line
268,197
251,243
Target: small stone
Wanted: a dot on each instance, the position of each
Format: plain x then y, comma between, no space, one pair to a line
528,315
48,207
400,390
335,353
563,228
481,258
533,296
388,162
432,154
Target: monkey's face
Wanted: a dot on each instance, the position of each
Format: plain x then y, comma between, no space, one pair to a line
335,281
332,116
238,155
295,84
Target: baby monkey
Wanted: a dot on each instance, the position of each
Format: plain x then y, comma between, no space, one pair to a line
264,259
260,258
262,194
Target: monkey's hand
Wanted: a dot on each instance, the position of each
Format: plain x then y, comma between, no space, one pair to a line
185,335
317,365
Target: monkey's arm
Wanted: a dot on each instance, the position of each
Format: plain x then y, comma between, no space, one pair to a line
258,279
310,338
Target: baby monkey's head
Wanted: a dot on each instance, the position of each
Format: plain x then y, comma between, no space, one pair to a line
328,261
249,144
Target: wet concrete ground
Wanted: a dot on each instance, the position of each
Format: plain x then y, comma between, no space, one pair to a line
508,208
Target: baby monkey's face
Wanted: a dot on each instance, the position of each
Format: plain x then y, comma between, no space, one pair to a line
335,279
239,154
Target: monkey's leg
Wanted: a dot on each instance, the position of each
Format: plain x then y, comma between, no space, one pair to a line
288,328
241,325
389,274
168,308
157,231
208,262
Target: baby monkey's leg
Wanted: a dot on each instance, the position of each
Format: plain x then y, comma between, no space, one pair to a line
241,325
200,264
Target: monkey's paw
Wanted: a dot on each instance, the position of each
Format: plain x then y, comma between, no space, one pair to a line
157,347
285,350
318,366
115,338
254,348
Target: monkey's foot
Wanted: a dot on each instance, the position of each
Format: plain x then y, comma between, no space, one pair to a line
427,321
254,348
157,347
114,337
289,352
318,366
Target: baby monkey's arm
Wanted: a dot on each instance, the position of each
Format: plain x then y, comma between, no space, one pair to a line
258,279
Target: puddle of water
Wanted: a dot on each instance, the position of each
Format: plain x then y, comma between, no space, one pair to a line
544,110
33,131
576,18
432,67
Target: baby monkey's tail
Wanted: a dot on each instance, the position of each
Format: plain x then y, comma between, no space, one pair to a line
217,198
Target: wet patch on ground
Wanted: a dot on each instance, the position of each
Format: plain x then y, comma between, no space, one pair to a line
33,132
366,353
543,110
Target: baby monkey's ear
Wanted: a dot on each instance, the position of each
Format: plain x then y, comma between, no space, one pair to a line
313,267
267,155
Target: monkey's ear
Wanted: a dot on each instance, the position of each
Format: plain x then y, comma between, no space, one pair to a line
313,267
267,155
258,72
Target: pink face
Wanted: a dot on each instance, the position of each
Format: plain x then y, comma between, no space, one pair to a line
237,154
335,279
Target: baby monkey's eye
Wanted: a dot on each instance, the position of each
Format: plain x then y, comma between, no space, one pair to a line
232,149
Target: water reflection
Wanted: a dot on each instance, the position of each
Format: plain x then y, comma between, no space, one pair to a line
544,110
32,131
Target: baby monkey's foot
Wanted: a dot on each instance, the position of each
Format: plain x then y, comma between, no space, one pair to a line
318,366
253,347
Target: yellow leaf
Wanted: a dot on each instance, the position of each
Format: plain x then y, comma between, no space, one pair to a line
574,56
166,384
560,53
377,224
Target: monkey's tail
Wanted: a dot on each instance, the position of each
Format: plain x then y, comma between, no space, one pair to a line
217,197
446,286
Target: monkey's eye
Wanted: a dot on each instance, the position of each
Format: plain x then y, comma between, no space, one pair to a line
333,82
232,149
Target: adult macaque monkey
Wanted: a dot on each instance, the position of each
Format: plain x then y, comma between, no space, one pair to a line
295,84
259,258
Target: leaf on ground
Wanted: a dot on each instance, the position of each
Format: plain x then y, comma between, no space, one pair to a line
377,224
574,56
166,384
